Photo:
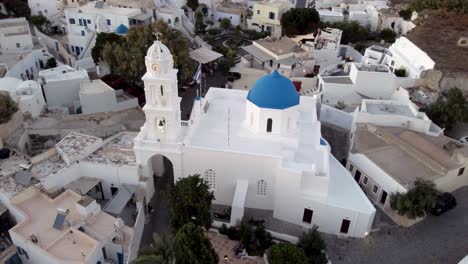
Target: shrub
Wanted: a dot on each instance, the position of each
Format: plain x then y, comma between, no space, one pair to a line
400,72
223,230
388,35
406,14
414,203
313,245
233,233
225,23
285,253
7,108
214,31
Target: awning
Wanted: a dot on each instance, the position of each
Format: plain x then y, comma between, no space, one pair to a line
204,55
261,55
120,200
82,185
23,177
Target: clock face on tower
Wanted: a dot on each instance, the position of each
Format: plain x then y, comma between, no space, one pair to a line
155,67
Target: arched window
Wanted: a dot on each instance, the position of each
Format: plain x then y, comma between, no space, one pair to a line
269,125
162,91
210,178
261,188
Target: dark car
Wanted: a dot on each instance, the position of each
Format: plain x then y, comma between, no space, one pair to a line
445,202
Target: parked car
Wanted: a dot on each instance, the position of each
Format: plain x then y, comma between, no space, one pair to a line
445,202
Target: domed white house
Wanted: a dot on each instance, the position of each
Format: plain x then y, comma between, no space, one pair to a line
257,149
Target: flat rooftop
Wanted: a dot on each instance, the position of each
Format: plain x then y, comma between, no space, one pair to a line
11,59
388,108
372,68
68,243
99,7
408,155
226,109
75,146
338,79
62,73
8,169
278,46
118,151
91,87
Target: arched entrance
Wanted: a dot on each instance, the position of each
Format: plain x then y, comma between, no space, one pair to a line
176,22
162,176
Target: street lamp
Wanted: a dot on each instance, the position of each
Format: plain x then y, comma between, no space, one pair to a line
225,259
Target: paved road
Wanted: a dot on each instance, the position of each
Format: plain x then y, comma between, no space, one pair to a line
435,240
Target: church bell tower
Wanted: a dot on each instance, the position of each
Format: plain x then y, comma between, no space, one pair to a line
162,109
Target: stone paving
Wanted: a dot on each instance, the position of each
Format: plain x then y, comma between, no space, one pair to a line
225,247
436,239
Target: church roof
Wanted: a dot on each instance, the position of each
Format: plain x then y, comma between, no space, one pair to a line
121,30
274,91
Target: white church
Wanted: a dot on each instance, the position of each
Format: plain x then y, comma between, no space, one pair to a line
259,149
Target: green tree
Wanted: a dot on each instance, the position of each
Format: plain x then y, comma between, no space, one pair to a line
101,40
19,8
300,21
285,253
200,26
447,111
160,252
400,72
192,247
352,31
51,63
225,23
313,245
414,203
190,200
40,22
193,4
7,108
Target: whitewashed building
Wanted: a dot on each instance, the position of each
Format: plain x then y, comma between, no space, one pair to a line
393,144
49,9
27,94
15,35
350,83
96,96
266,16
85,21
258,149
330,16
61,86
403,54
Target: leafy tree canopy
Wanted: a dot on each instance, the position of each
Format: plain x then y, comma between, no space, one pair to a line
126,55
352,31
200,26
101,40
446,111
190,201
416,201
285,253
193,4
192,247
7,108
160,252
51,63
300,21
39,21
225,23
314,246
19,8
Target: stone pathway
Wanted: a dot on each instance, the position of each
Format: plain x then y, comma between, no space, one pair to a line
225,247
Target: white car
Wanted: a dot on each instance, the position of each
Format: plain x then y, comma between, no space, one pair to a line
464,140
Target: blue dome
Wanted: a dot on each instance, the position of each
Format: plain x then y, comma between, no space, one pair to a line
121,30
273,91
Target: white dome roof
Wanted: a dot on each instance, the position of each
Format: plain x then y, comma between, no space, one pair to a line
159,52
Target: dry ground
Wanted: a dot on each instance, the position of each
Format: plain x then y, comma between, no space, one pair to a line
437,33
